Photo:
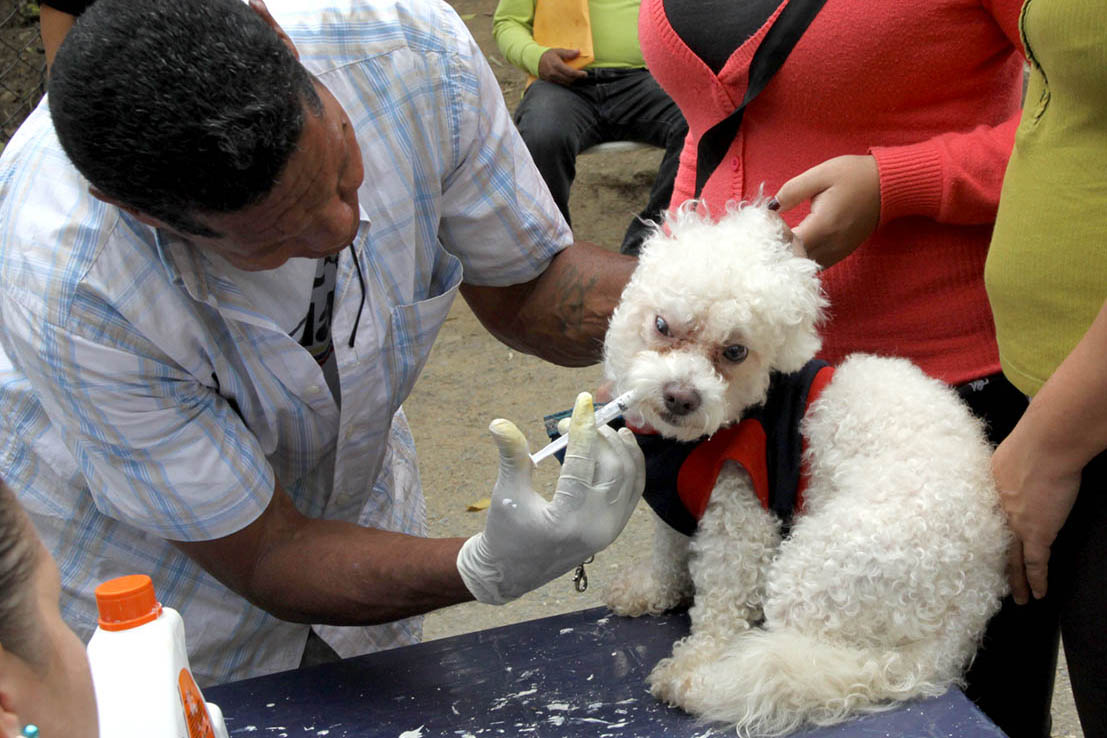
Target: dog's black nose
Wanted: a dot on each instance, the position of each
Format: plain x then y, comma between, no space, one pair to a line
680,399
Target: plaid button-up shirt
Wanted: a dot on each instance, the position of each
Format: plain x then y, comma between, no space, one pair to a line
153,392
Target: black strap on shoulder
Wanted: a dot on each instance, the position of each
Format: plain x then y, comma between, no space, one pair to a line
781,417
769,57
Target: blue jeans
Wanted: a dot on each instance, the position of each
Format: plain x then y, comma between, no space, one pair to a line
558,122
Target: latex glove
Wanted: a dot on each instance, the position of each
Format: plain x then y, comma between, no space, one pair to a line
552,67
528,541
845,206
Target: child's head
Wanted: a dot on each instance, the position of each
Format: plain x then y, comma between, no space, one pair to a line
44,675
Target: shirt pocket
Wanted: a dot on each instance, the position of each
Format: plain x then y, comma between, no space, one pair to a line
414,326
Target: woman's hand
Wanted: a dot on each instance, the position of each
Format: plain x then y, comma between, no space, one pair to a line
845,206
1038,467
1037,499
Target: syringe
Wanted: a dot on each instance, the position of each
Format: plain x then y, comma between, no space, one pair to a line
604,415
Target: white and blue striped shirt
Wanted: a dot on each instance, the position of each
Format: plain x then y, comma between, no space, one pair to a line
151,391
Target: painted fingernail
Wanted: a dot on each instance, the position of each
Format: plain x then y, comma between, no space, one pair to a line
774,204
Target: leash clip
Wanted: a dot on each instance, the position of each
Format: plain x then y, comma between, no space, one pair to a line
580,577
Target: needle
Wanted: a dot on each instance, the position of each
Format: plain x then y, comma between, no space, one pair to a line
604,415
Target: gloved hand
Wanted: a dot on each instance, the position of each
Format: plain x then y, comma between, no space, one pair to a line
527,541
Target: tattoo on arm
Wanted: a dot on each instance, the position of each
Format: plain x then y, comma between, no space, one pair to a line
571,293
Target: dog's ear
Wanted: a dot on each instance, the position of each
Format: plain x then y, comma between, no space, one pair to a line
800,311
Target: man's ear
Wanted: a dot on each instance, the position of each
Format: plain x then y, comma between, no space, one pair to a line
258,6
140,216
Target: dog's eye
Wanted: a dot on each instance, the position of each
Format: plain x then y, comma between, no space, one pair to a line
662,326
735,353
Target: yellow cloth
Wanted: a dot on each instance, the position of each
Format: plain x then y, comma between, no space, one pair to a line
1046,272
564,24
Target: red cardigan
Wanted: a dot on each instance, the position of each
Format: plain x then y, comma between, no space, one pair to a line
932,90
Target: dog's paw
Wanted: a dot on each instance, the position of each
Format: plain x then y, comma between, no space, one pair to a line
670,681
679,680
642,594
681,683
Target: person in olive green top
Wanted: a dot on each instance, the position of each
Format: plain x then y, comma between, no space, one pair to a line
613,98
1046,277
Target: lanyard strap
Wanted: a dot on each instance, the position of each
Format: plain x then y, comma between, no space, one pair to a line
769,57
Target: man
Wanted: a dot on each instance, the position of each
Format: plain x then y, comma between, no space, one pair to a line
221,270
612,98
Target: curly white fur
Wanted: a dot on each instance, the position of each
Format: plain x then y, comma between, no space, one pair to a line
893,568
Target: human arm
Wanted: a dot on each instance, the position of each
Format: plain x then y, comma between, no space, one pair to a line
357,576
1038,466
524,277
952,177
53,25
562,314
513,30
845,206
363,575
167,454
168,482
553,66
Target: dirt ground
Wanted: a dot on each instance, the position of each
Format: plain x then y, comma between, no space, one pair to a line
471,379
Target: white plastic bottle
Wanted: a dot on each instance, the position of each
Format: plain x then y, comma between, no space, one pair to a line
144,686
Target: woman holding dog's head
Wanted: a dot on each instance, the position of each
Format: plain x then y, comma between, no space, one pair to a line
882,134
45,684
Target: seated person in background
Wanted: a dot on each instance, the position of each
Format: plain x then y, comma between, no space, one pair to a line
44,677
55,18
613,98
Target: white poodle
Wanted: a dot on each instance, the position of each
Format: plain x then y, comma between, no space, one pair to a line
894,561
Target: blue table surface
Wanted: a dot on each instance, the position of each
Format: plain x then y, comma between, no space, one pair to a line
579,674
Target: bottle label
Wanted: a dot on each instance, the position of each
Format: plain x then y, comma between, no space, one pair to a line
195,709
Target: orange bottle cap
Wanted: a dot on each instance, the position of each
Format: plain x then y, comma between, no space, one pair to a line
127,602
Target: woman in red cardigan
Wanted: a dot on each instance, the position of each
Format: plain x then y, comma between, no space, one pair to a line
883,137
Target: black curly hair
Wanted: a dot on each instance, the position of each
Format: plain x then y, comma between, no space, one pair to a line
179,108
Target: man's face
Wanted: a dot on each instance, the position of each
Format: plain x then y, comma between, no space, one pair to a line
312,210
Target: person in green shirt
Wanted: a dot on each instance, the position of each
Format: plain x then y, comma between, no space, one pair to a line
1046,276
613,98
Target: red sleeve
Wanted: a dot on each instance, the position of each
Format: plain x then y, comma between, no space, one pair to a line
954,177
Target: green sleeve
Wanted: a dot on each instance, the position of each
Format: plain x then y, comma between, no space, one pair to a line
513,29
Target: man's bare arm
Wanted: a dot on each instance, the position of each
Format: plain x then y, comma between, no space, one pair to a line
326,571
562,315
53,25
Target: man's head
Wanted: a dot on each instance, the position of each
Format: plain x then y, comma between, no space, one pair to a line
196,115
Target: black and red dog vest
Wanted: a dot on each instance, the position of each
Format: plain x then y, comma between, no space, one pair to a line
766,442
